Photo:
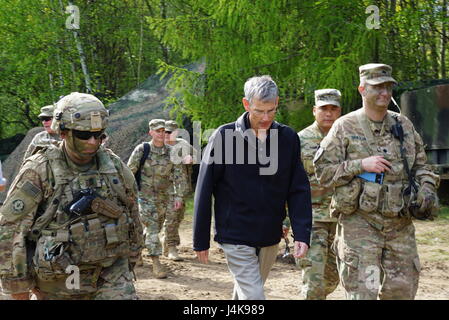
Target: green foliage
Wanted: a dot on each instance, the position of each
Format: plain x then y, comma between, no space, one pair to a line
40,60
443,214
303,45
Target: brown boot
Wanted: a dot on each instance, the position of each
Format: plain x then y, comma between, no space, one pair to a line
158,269
139,263
173,254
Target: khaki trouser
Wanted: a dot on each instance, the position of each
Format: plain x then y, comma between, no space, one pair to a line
250,271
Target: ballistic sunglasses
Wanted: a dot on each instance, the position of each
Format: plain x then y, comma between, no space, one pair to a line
85,135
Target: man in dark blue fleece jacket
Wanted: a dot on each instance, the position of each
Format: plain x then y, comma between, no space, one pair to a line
252,168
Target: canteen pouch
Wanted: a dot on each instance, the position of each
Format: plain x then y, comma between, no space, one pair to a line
393,201
345,198
369,199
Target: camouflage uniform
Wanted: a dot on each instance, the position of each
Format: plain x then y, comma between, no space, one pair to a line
161,181
42,139
319,275
375,242
41,237
174,217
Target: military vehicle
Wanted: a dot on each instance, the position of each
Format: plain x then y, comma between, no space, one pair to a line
428,108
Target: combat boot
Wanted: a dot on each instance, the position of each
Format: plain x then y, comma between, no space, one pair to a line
173,254
158,269
139,262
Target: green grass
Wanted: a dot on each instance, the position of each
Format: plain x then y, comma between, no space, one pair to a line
443,214
189,208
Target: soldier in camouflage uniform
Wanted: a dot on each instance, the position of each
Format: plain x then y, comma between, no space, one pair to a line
319,269
70,226
161,181
44,138
375,242
184,153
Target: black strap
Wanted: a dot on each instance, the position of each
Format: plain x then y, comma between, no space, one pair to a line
398,132
146,152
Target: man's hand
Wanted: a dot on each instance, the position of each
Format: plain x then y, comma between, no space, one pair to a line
21,296
178,205
426,197
203,256
376,164
300,249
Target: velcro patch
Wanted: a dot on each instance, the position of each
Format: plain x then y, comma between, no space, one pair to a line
95,120
31,190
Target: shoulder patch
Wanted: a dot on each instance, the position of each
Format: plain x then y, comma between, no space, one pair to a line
31,190
17,206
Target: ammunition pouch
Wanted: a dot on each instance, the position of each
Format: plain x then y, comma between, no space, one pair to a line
393,202
81,244
345,199
369,199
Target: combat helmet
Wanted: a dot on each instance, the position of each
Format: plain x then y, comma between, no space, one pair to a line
79,111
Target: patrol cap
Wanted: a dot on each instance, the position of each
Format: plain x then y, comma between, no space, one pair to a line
46,111
376,73
171,125
80,111
327,96
156,124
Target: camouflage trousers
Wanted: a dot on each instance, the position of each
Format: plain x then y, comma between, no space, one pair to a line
376,263
157,214
173,219
319,267
111,283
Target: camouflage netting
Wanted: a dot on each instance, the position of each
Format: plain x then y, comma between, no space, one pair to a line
128,122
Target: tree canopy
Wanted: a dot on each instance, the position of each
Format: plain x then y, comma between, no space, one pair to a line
303,45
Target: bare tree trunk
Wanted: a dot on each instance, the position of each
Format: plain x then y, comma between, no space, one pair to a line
82,57
163,6
139,61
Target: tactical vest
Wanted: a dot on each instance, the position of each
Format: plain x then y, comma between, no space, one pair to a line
92,241
368,197
157,173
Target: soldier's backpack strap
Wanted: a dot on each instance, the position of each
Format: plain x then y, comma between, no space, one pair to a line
146,152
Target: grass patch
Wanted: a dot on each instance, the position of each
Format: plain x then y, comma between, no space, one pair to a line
189,208
443,214
436,236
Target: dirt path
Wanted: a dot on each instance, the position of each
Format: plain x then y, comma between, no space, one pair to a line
190,280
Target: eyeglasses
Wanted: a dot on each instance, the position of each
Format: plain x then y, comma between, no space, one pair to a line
46,118
85,135
168,132
269,113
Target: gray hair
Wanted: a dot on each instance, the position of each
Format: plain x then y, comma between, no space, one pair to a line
262,88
